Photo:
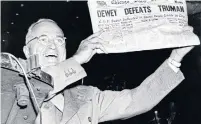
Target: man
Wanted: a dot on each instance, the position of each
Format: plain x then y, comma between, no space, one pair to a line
87,104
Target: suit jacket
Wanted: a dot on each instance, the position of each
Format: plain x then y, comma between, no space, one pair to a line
89,105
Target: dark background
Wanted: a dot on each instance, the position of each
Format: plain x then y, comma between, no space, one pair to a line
113,71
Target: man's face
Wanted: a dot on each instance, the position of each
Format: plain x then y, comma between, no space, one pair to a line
47,42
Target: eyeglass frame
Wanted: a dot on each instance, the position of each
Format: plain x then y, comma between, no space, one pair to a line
37,37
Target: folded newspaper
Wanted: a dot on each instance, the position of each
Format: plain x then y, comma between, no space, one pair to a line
136,25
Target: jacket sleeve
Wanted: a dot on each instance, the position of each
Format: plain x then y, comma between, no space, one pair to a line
65,73
124,104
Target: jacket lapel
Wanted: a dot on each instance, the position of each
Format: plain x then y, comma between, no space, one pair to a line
70,107
74,99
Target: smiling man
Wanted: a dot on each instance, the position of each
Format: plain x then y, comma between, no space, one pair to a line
87,104
48,41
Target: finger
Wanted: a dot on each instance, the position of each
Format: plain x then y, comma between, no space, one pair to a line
187,47
92,40
190,47
96,40
100,47
184,49
95,35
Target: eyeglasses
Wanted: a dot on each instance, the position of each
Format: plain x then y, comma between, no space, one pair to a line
45,40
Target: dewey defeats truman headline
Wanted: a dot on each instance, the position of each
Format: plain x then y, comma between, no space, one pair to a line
143,9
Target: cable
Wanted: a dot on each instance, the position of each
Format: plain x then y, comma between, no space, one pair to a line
82,81
27,82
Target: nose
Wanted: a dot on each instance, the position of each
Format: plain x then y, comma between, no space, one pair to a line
52,45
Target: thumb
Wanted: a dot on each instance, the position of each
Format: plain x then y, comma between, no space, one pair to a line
184,50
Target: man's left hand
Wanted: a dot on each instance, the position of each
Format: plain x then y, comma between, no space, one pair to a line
179,53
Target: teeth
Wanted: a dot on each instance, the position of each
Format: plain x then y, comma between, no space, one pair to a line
50,56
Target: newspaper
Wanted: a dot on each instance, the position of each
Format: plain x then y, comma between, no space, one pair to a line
135,25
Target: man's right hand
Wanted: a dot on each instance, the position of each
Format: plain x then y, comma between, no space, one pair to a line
88,48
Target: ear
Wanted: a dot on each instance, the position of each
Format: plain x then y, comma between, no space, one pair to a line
26,51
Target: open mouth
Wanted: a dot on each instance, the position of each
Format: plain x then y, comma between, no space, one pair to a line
51,54
52,57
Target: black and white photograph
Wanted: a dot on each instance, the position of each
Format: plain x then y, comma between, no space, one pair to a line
101,62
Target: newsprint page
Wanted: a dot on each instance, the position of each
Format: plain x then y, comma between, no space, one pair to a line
101,61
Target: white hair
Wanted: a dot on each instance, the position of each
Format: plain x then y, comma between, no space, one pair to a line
29,36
